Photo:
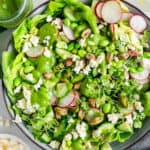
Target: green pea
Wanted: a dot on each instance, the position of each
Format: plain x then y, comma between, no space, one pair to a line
112,47
95,72
68,143
74,51
61,65
67,22
74,25
106,108
77,34
132,70
106,146
121,49
104,43
140,69
27,63
79,30
36,74
77,46
28,69
70,47
43,89
137,124
146,54
77,78
17,81
81,27
81,53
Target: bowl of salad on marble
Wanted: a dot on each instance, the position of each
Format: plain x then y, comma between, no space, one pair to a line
77,76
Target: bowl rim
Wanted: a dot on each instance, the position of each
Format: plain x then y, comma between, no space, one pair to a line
5,95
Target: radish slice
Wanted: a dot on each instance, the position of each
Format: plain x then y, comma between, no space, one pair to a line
112,28
144,81
98,8
132,110
68,32
146,63
138,23
67,100
133,53
35,51
76,97
54,101
141,75
111,12
113,31
126,16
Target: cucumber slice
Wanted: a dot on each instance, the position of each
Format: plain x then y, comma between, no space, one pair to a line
77,145
61,90
45,138
67,100
35,51
63,53
125,127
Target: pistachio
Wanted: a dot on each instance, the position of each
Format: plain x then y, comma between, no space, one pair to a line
81,114
69,62
90,56
124,55
47,75
92,102
109,57
76,86
95,121
124,101
94,116
60,112
86,33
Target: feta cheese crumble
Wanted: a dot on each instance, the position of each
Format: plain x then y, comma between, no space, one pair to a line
86,70
82,42
26,46
81,130
34,40
17,89
30,77
74,58
21,104
113,117
129,119
47,53
18,119
54,144
139,106
78,66
49,18
57,22
75,135
93,63
38,85
29,107
68,137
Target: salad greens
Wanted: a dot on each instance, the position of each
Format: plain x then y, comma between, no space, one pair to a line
75,83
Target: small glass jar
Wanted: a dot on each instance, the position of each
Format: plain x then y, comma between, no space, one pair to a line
14,12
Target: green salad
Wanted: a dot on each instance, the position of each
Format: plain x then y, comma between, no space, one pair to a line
76,81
